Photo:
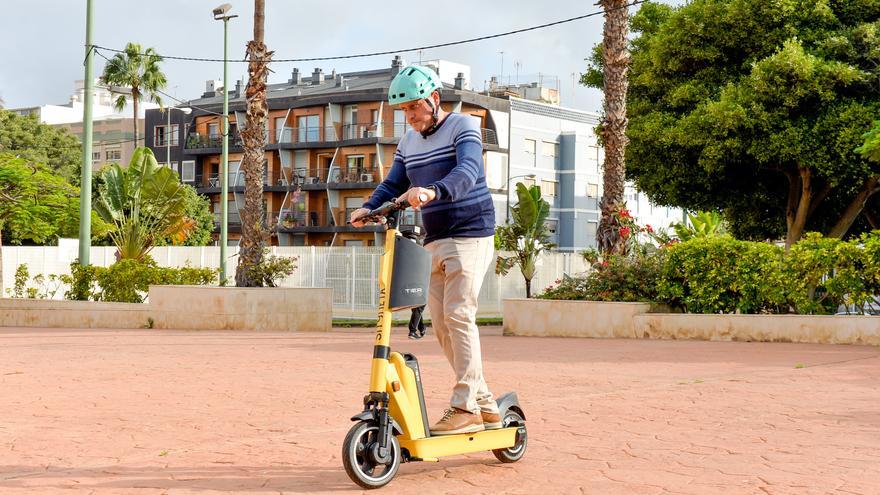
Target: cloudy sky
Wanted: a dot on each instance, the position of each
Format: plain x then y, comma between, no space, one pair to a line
41,42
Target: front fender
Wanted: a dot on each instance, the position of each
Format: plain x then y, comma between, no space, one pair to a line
371,416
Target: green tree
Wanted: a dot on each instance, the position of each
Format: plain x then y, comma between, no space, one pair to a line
755,109
26,137
30,198
198,209
871,151
143,202
527,237
253,235
138,70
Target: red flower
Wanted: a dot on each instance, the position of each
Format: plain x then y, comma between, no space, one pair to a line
649,229
625,213
624,232
604,263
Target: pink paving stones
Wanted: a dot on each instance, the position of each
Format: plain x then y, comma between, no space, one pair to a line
170,412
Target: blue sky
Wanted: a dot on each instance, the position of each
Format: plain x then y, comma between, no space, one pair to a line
41,43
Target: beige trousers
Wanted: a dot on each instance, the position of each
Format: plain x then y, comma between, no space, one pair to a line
457,270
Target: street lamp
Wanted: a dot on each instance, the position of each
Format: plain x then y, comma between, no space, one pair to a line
222,13
527,176
186,111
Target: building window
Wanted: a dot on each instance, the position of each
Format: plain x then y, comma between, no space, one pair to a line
592,190
279,129
188,171
214,131
113,155
548,187
96,155
528,182
548,148
530,146
165,136
399,123
309,129
552,225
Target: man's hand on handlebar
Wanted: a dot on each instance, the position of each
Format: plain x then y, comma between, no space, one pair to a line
418,196
356,215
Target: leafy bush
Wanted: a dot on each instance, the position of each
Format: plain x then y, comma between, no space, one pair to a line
272,269
129,280
723,275
620,278
823,273
82,282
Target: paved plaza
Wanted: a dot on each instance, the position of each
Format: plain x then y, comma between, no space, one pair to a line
168,412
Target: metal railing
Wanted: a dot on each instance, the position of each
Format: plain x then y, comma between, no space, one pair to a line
352,272
295,135
345,175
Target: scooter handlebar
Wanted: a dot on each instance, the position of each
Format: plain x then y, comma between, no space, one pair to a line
378,215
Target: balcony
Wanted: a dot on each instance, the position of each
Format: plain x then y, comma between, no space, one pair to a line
297,135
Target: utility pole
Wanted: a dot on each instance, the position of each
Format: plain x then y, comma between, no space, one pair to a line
85,189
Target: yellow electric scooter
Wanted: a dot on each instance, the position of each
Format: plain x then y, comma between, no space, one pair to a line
393,426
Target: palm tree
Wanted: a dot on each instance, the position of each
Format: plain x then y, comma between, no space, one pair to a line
253,136
615,58
138,70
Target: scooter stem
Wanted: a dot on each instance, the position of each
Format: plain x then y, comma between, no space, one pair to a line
382,349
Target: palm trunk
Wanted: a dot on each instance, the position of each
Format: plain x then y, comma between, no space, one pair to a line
253,235
615,56
134,102
528,288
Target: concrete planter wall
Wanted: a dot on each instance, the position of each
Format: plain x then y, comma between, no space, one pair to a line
184,308
761,328
550,318
266,308
72,314
540,317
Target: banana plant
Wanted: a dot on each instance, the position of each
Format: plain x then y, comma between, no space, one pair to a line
143,202
702,224
527,236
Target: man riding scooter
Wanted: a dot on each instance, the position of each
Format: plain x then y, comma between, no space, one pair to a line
438,167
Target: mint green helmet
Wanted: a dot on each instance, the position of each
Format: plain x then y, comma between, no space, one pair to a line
414,82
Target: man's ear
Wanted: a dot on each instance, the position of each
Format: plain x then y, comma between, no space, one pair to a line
435,95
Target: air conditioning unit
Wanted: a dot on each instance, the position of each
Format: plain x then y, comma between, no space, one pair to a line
312,180
366,177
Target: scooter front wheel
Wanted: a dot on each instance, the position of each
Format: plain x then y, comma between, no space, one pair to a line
515,453
357,460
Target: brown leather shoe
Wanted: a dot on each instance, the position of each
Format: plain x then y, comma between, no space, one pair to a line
491,421
456,421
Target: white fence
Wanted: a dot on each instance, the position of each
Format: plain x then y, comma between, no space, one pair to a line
352,272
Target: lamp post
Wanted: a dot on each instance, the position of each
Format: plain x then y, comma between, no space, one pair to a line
186,111
85,191
222,13
527,176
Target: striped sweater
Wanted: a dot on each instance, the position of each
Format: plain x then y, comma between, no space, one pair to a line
451,159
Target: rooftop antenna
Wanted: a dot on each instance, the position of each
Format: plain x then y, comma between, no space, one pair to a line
501,78
517,64
420,57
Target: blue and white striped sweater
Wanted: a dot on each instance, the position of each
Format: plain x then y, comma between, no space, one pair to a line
451,159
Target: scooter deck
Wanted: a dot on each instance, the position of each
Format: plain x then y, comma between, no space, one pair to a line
462,443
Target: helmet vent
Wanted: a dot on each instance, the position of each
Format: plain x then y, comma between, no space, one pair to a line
411,72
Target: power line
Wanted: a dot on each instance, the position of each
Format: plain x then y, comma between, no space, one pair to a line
390,52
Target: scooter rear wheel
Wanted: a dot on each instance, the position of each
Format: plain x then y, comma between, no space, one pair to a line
356,459
515,453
